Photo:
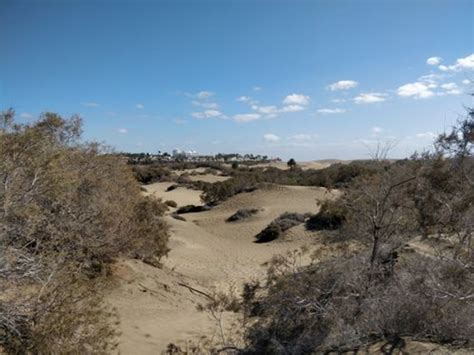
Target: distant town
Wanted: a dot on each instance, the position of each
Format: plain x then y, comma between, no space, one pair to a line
178,155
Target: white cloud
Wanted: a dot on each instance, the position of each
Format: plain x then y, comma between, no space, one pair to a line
338,101
329,111
244,98
90,104
369,98
122,130
266,110
434,60
376,130
342,85
26,115
207,114
203,95
466,81
247,117
466,63
451,89
296,99
269,137
140,106
257,88
418,90
209,105
292,108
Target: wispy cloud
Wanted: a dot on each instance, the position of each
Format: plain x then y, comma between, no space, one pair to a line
330,111
140,106
257,88
210,105
203,95
247,117
370,98
244,98
450,89
270,137
303,137
342,85
296,99
466,63
292,108
434,61
122,130
208,114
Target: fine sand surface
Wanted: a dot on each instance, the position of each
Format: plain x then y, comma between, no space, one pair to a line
156,307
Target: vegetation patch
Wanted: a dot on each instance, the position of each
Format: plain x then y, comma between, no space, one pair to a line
280,225
331,216
242,214
171,203
192,209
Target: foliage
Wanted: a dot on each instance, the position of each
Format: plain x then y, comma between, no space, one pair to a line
280,225
67,210
242,214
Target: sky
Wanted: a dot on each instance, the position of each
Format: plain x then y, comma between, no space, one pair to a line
321,79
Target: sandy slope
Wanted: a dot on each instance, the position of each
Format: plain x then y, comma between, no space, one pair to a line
206,253
181,195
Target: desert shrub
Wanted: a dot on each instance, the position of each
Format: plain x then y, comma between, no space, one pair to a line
192,209
280,225
270,233
333,306
171,203
183,179
67,210
172,187
147,174
242,214
331,216
222,190
178,217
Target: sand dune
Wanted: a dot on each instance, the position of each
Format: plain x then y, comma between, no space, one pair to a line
181,195
206,253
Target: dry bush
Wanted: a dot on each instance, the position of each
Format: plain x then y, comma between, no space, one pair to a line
192,209
331,216
333,306
67,209
147,174
280,225
380,292
171,203
172,187
242,214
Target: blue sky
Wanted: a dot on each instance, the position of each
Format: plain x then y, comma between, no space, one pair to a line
304,79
